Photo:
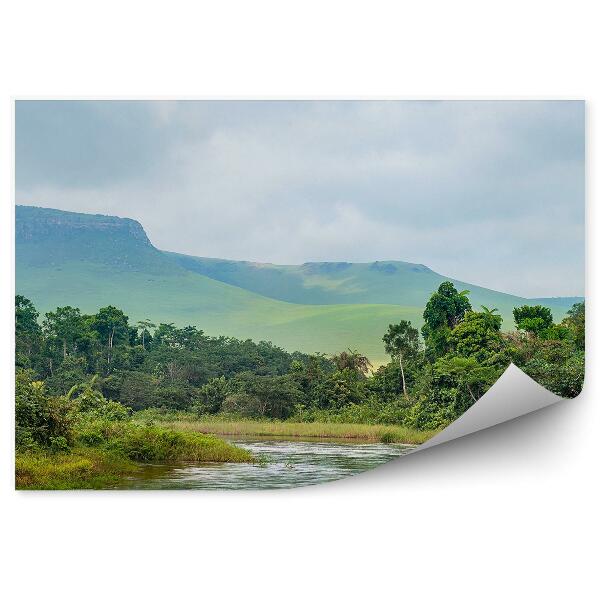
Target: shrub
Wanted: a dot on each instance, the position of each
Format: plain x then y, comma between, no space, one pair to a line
427,415
211,396
59,444
39,417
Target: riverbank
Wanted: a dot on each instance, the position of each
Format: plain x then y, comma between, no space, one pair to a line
84,468
290,429
105,452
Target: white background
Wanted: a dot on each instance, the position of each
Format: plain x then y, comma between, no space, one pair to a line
510,512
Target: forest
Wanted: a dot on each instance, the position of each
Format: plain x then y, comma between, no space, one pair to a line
99,391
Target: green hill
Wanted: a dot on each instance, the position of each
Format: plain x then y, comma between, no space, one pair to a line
91,261
381,282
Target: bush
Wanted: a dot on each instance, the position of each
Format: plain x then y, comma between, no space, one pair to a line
59,444
371,412
38,417
427,415
211,396
90,402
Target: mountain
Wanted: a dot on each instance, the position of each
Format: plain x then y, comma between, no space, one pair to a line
91,261
380,282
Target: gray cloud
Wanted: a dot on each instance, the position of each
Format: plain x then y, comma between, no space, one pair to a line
488,192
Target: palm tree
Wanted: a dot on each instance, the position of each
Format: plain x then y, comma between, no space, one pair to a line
352,360
489,311
491,316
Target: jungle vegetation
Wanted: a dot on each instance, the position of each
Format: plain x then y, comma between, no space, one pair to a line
82,378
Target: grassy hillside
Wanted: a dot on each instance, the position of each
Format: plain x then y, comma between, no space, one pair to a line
91,261
381,282
215,307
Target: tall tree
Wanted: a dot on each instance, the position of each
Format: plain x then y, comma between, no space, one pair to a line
443,312
111,325
66,324
27,328
478,335
145,326
575,321
26,316
533,319
402,342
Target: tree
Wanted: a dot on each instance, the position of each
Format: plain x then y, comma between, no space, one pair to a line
71,371
111,325
402,341
446,306
444,311
68,325
138,390
212,395
166,334
27,328
26,316
275,397
575,322
492,316
478,335
244,405
467,371
352,360
533,319
145,326
339,389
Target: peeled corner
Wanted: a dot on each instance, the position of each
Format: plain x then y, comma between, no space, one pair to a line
513,395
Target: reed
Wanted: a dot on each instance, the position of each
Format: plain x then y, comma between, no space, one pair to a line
317,430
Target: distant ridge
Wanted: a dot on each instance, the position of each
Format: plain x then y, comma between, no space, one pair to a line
46,236
90,261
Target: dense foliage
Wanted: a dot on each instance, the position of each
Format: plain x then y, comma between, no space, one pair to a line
70,364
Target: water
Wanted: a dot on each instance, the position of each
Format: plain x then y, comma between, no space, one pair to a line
284,463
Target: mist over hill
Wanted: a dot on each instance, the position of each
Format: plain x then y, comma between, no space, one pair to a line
89,261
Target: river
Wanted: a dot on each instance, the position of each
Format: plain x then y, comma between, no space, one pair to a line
284,463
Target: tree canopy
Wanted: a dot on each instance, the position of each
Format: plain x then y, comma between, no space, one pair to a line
427,383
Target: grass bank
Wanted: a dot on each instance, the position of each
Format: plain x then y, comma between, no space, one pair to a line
84,468
106,451
142,442
350,431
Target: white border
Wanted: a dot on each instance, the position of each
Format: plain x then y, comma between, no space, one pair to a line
509,512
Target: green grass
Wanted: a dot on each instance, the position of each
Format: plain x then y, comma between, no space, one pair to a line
84,468
215,307
89,261
150,443
381,282
288,429
218,308
107,451
147,442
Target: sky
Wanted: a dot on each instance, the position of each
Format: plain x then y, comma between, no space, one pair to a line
491,193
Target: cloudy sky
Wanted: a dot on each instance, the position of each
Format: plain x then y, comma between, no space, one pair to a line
488,192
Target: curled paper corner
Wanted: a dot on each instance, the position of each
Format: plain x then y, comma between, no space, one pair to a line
513,395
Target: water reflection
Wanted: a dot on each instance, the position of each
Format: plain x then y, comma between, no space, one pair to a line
282,464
